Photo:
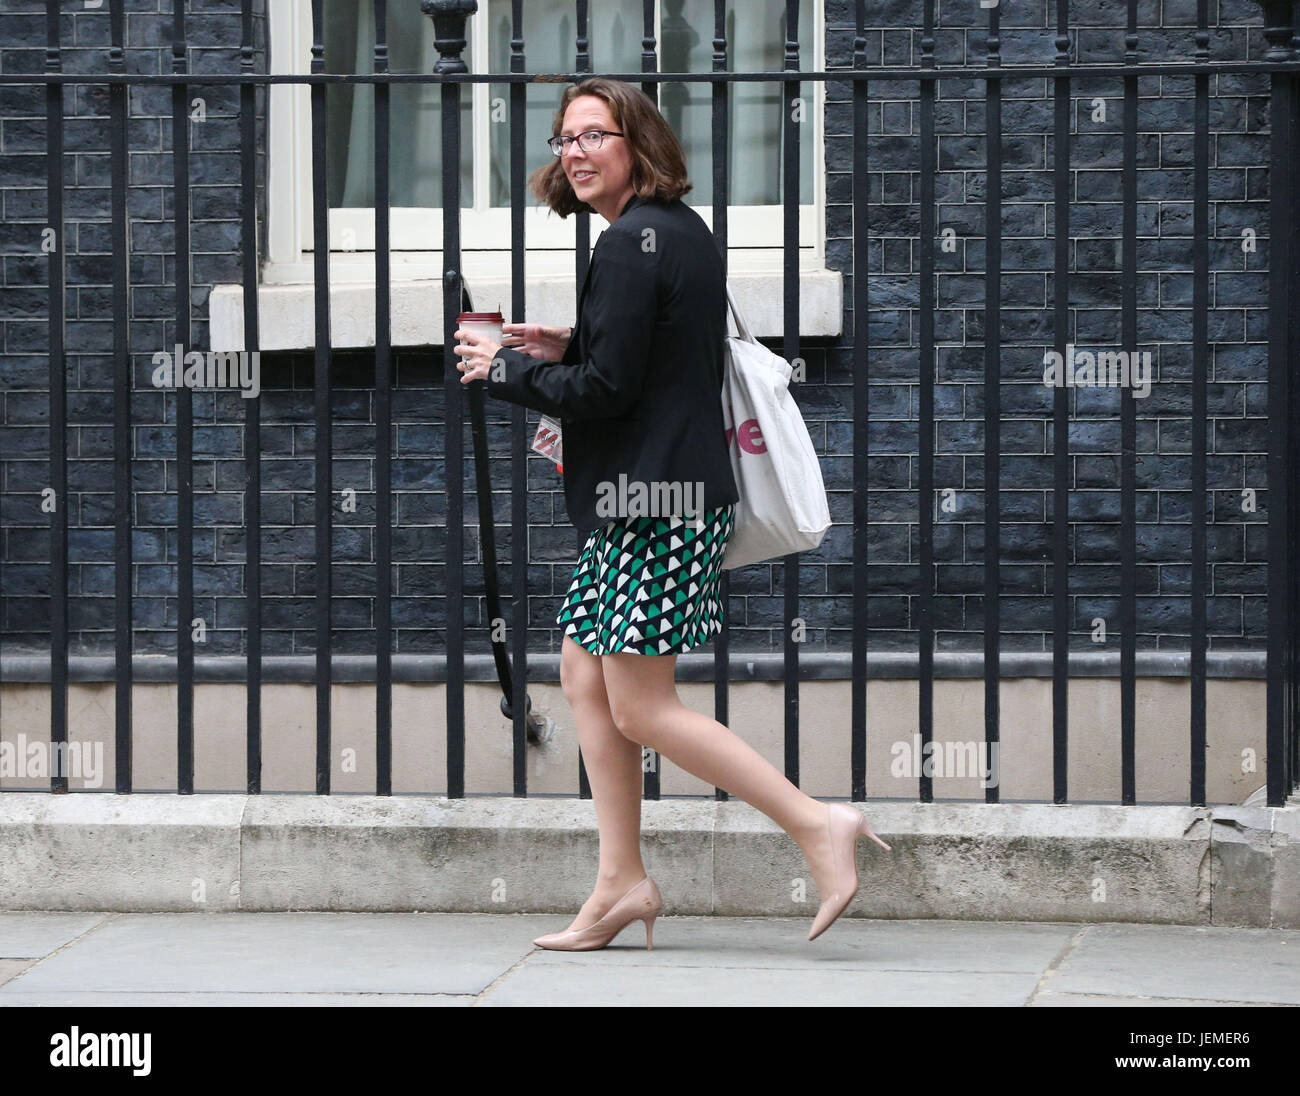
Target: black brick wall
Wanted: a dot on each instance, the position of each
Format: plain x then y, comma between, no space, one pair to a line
1238,184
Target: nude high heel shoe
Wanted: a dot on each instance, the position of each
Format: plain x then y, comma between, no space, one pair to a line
845,825
642,903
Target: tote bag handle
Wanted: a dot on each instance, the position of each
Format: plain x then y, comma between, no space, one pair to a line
742,328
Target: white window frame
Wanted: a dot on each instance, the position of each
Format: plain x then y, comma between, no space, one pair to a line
485,231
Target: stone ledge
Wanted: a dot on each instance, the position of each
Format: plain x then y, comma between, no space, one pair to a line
287,313
1016,861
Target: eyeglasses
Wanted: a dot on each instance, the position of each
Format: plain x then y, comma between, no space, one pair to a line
588,142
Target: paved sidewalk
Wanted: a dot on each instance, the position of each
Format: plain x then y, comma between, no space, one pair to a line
88,959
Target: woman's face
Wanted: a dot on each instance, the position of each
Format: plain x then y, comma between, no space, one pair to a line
602,178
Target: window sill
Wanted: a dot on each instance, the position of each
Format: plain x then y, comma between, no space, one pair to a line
286,311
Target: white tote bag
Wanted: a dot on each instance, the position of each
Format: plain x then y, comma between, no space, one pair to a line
782,507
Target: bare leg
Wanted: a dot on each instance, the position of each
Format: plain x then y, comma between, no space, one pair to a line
645,707
613,765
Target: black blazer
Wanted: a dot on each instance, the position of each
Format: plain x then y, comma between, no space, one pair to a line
638,391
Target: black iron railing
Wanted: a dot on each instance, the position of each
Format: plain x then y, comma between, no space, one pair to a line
1281,65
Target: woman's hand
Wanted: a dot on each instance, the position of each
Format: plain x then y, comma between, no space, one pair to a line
537,340
476,352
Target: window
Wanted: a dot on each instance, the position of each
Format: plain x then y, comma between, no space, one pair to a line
684,33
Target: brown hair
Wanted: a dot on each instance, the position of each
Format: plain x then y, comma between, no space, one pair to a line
658,165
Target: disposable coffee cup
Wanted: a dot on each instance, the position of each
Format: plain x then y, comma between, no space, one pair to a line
482,323
548,437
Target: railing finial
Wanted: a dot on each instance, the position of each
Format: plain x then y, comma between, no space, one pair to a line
449,18
1277,29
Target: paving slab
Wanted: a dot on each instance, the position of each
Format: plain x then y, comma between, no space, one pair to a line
1181,961
33,935
204,953
852,943
1084,1000
623,984
11,968
233,1000
457,960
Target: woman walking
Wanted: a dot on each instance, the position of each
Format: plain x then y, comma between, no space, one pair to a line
637,387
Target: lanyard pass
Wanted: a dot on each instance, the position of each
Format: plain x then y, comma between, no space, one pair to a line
549,441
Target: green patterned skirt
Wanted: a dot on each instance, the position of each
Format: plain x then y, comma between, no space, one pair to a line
648,585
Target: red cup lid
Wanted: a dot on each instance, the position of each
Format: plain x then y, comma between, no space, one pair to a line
480,317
